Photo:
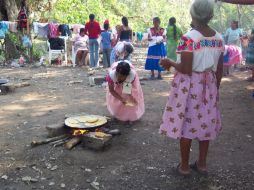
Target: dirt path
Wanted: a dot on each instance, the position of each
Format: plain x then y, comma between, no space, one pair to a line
138,159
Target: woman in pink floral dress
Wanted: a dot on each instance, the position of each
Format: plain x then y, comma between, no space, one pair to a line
192,108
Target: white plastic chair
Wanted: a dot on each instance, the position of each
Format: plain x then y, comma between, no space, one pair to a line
53,53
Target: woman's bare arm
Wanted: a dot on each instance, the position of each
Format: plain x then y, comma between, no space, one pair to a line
219,72
184,67
114,93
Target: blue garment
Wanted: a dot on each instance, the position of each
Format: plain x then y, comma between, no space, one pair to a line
106,39
94,52
3,29
155,53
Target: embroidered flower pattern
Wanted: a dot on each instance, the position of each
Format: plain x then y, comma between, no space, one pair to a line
185,44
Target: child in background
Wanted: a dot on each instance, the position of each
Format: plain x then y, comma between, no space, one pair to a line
125,100
106,44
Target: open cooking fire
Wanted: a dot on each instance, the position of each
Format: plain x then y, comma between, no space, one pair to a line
78,132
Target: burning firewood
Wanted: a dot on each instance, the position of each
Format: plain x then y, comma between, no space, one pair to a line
48,140
73,142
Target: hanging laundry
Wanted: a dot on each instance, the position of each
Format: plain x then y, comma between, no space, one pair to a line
13,27
64,30
53,30
26,42
4,27
76,28
41,29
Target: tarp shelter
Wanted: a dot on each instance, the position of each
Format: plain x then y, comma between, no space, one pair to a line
240,2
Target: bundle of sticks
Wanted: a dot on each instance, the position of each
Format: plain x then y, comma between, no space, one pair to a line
67,140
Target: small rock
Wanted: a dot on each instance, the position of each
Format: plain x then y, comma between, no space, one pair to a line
248,136
28,179
51,183
54,168
88,170
150,168
4,177
62,185
88,181
95,185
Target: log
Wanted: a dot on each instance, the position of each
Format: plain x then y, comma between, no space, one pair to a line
73,142
10,87
60,142
46,141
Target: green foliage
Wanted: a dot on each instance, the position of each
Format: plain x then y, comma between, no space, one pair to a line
139,12
16,41
39,49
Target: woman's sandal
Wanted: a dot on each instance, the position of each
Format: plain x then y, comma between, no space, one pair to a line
182,173
195,168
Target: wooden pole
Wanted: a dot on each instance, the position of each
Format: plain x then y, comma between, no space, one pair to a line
239,16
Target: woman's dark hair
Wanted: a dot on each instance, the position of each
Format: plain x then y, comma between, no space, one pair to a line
157,19
106,26
23,3
172,22
125,21
81,30
91,17
129,48
123,68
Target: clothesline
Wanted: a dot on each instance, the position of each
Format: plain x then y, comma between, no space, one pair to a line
41,29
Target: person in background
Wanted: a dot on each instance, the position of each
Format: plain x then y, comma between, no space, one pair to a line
244,44
93,30
106,38
173,35
192,110
232,57
81,47
124,31
139,38
157,50
233,34
250,56
125,100
122,51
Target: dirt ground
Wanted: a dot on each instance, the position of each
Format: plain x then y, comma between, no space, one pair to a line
138,159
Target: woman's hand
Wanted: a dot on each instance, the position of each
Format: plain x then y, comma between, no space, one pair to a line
123,101
133,100
166,64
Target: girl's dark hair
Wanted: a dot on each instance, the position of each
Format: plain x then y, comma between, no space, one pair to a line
129,48
157,19
106,26
123,68
125,21
81,30
172,22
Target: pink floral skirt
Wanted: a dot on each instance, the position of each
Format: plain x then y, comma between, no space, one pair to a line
192,108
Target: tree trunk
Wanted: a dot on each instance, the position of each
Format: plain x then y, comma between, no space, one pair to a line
12,9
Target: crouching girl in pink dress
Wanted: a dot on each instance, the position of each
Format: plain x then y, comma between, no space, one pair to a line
125,100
